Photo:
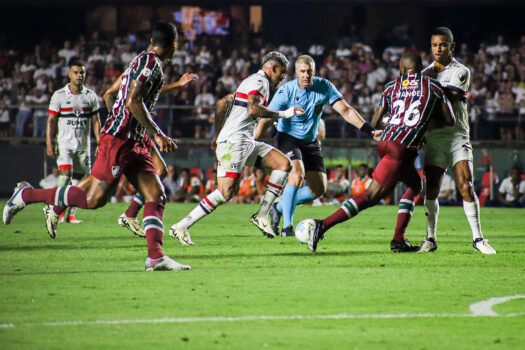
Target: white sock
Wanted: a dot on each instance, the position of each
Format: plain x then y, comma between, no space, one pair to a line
274,187
207,205
73,210
472,212
432,213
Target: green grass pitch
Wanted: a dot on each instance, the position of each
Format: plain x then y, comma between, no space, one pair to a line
87,289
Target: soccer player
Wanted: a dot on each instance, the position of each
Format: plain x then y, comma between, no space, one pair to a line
296,137
236,147
72,110
122,150
450,146
411,101
129,218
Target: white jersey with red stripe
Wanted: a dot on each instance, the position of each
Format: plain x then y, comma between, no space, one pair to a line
74,112
239,125
454,77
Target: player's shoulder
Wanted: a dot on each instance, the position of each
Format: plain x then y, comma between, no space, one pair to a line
458,68
89,92
322,82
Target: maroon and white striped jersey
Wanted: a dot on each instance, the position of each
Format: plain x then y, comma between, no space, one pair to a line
410,101
147,69
74,113
239,125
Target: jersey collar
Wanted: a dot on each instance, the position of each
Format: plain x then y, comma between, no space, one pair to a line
68,89
452,61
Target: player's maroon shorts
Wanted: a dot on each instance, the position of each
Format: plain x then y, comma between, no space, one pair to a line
118,156
397,164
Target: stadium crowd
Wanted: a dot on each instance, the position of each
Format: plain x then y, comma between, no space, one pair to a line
28,79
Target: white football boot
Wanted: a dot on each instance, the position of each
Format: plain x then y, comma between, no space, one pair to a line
483,246
131,224
165,264
183,236
15,203
52,219
263,224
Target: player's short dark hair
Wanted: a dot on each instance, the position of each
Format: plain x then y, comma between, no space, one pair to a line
164,33
76,63
445,32
277,57
364,165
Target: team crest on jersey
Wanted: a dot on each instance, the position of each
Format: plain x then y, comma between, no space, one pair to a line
116,171
77,110
146,72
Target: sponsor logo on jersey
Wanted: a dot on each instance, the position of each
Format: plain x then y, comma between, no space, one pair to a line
289,154
405,82
116,171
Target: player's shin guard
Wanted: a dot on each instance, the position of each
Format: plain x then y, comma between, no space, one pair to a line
404,214
135,206
287,204
432,213
273,188
154,228
350,208
207,205
472,212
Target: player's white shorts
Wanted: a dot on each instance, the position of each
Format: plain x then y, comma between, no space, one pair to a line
78,161
233,156
445,152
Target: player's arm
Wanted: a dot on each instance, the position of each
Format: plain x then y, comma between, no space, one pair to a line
262,126
51,129
185,79
111,93
223,106
255,109
351,116
378,116
138,109
95,119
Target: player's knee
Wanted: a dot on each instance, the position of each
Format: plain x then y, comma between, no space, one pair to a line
318,190
227,193
285,165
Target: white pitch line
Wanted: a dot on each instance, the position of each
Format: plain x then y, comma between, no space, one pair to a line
249,318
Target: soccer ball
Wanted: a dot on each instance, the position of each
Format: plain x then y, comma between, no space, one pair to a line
304,230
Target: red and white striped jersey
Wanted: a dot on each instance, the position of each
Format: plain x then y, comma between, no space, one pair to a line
147,69
74,112
239,125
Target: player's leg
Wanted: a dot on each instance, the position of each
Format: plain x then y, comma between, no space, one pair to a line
149,183
286,205
280,165
464,181
231,158
226,188
65,163
129,219
399,243
71,216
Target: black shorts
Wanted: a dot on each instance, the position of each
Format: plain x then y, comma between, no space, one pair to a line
307,152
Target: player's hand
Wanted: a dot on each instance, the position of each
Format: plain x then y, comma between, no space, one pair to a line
186,78
377,134
51,152
291,112
213,145
165,143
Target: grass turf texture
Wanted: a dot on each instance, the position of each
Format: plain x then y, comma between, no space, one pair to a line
95,271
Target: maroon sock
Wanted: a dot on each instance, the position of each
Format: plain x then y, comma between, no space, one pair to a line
67,196
33,195
404,214
152,221
350,208
133,209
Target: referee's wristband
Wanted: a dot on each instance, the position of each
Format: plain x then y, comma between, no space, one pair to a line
366,128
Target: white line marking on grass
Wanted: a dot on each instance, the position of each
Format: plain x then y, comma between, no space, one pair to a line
479,309
484,308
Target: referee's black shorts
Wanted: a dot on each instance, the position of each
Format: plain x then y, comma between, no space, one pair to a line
308,152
